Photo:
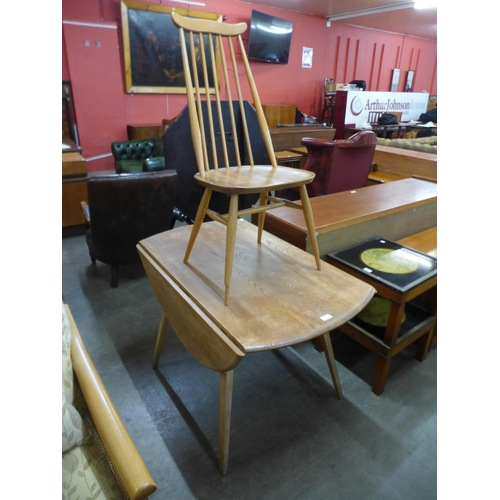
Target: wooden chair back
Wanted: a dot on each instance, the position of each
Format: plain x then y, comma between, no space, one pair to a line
398,115
209,58
373,116
329,86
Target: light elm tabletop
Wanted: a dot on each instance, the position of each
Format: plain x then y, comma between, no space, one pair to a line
279,298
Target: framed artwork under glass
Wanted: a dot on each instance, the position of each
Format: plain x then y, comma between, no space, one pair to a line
151,47
395,265
410,77
395,79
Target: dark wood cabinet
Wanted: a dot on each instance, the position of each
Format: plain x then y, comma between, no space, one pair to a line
74,170
151,131
277,114
74,188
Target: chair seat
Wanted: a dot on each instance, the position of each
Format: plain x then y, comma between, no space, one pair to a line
247,179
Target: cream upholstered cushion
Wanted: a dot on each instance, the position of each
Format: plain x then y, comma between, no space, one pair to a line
422,144
72,426
72,423
86,474
67,367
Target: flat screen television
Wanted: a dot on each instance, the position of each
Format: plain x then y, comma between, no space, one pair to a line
269,38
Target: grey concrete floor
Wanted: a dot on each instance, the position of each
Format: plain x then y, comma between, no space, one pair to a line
291,438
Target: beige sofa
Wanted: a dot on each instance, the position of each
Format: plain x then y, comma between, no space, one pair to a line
422,144
99,459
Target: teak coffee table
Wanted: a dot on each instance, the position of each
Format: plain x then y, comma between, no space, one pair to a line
399,282
279,299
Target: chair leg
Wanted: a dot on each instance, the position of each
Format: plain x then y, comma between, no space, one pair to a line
114,276
262,216
198,221
232,227
226,398
308,215
162,330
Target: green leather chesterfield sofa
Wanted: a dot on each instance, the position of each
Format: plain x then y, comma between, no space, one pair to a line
144,155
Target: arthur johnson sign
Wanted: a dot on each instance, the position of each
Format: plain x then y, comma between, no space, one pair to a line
359,105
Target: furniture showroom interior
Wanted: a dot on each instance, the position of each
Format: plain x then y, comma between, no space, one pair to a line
249,250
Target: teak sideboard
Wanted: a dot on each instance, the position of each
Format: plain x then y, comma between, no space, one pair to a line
393,210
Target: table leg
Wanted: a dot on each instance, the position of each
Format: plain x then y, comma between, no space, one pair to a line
226,398
394,323
424,344
162,330
381,373
390,338
332,365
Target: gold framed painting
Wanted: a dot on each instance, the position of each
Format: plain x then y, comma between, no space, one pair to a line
151,48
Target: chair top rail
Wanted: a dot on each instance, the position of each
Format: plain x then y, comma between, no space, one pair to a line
204,62
207,26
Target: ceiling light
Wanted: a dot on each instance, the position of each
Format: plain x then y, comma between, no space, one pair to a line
188,2
375,10
425,4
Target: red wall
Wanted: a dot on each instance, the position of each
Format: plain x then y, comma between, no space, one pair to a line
361,54
93,61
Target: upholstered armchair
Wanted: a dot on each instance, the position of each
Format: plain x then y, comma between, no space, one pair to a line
130,156
123,209
340,165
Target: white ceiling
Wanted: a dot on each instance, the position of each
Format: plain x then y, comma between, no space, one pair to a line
407,21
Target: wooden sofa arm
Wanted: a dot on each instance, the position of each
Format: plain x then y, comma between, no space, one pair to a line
129,467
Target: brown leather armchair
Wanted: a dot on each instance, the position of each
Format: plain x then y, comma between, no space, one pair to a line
123,209
340,165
